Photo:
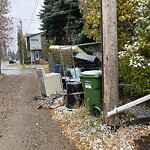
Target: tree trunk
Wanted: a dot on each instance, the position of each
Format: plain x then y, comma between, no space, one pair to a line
110,58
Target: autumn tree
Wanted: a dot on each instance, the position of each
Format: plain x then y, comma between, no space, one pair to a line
5,26
133,17
134,46
91,14
133,21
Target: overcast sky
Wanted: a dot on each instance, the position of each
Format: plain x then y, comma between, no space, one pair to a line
27,11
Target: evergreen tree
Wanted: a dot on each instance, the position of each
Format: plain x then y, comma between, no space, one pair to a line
22,47
19,47
62,20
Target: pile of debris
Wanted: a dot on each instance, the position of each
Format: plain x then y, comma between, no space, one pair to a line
88,132
52,102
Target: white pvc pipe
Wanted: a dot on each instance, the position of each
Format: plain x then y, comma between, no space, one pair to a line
129,105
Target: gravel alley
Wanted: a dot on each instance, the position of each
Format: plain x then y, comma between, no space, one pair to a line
22,125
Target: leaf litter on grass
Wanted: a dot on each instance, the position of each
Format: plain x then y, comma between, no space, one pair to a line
89,133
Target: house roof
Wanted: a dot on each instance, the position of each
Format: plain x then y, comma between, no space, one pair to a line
33,34
28,34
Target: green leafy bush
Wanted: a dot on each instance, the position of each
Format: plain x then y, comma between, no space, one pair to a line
134,71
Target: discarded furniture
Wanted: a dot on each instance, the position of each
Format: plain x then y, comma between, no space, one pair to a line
50,83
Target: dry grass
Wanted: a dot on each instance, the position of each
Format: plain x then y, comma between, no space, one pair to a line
42,61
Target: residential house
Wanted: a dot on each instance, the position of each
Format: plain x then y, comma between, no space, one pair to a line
35,45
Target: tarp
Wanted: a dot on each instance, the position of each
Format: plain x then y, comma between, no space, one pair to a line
66,47
89,58
86,62
66,51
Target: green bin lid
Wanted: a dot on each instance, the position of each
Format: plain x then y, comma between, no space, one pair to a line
92,73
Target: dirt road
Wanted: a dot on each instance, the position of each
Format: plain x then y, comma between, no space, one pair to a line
22,125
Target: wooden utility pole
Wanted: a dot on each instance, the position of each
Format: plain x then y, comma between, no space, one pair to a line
110,58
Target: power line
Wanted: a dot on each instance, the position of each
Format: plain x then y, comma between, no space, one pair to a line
33,13
25,20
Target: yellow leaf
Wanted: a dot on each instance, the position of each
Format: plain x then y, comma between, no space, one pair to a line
83,143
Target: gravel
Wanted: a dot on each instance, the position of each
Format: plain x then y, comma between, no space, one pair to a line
22,125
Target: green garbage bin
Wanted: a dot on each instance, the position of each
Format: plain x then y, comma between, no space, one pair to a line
92,86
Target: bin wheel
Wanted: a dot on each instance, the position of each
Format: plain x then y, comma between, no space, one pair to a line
96,111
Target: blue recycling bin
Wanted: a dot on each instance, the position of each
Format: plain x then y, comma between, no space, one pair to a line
57,68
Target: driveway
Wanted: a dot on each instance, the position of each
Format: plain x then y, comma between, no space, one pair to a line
11,69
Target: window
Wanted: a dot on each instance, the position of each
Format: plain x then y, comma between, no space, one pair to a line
34,40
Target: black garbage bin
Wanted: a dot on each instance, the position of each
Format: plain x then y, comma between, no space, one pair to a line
75,95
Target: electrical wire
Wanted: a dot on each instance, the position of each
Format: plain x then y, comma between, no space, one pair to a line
24,20
32,16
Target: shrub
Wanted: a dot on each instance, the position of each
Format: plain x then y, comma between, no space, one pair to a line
134,71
